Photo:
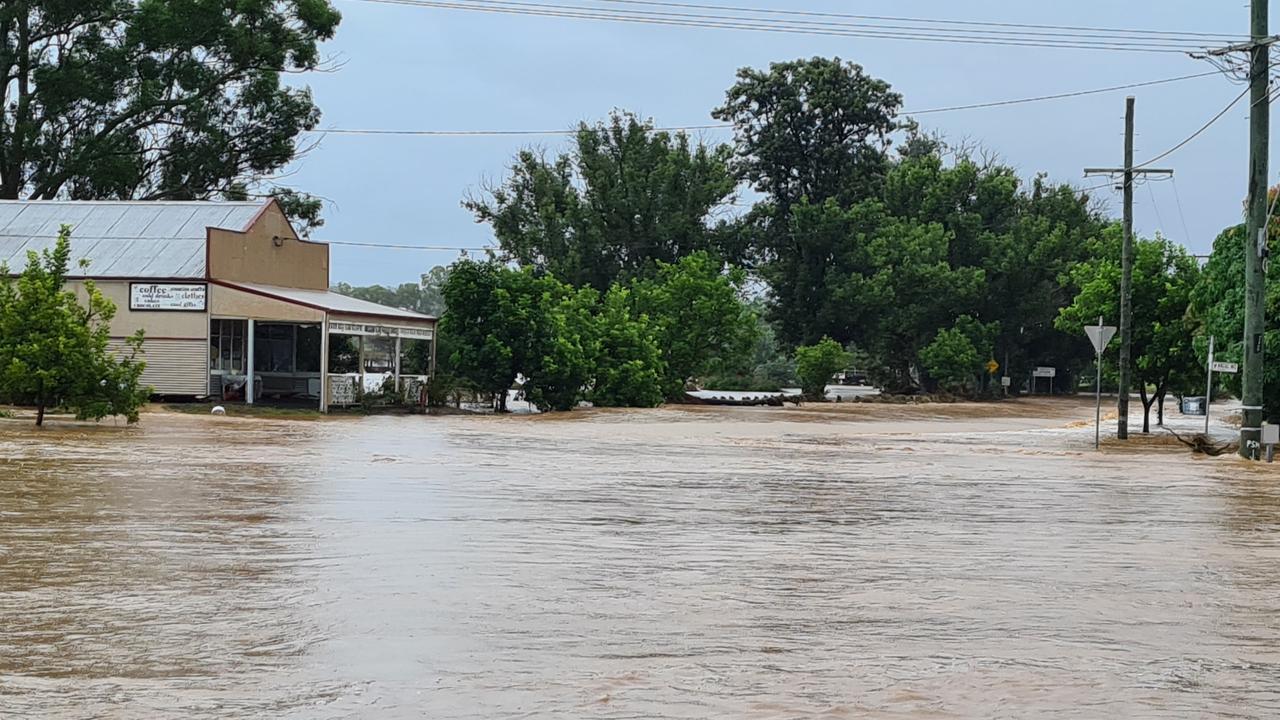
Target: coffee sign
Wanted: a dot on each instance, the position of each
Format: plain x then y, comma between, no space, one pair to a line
192,297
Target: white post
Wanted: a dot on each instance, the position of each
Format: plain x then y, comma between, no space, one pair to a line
397,366
1097,413
248,364
324,364
1208,390
361,388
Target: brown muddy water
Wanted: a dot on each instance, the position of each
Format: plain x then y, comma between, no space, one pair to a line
754,563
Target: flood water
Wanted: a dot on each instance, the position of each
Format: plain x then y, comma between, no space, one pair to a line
735,563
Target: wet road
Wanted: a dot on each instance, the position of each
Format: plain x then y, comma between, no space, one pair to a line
668,564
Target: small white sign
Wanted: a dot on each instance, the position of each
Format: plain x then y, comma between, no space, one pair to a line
1270,434
1225,367
1006,381
1100,336
1046,372
191,297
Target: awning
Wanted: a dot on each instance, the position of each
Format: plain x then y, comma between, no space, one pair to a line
347,315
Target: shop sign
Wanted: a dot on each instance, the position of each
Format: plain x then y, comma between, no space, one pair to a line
174,297
348,328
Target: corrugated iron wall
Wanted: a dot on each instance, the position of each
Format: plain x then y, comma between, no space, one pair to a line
174,367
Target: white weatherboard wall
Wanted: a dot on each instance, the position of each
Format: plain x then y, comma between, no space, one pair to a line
174,367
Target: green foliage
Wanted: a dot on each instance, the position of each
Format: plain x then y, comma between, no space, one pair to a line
625,199
506,323
951,359
54,350
817,364
813,129
1218,305
767,369
700,321
1164,278
153,100
630,370
883,252
426,296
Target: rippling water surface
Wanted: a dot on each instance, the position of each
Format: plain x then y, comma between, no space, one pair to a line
676,564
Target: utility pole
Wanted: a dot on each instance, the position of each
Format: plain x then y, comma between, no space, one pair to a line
1255,245
1126,264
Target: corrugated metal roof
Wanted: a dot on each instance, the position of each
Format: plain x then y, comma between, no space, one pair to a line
330,301
121,239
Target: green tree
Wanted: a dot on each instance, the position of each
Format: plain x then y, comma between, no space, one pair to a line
506,323
629,372
560,357
814,129
817,364
951,359
425,296
146,99
1218,306
55,351
1164,278
627,197
700,320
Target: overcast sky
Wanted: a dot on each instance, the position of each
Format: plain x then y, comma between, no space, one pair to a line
415,68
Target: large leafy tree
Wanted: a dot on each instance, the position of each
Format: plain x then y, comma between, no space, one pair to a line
701,323
153,99
626,198
55,350
816,129
504,323
1164,278
629,371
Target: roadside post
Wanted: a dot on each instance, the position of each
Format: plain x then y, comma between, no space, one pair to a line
1100,336
1214,366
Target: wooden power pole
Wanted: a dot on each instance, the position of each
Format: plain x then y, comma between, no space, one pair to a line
1255,245
1126,263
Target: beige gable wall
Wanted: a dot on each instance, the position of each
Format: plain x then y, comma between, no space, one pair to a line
269,253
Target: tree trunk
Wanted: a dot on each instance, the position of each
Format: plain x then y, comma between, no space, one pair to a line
40,414
1160,393
1146,407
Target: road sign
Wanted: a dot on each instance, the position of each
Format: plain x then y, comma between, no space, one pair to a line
1006,381
1046,372
1100,336
1225,367
992,367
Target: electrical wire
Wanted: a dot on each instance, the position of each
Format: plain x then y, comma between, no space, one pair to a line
723,126
932,21
1156,206
512,7
876,23
1195,134
1177,197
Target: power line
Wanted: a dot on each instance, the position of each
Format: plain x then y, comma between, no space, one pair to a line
865,22
1181,216
511,7
723,126
1195,134
933,21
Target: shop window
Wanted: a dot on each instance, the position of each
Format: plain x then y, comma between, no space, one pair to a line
226,346
273,347
307,357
